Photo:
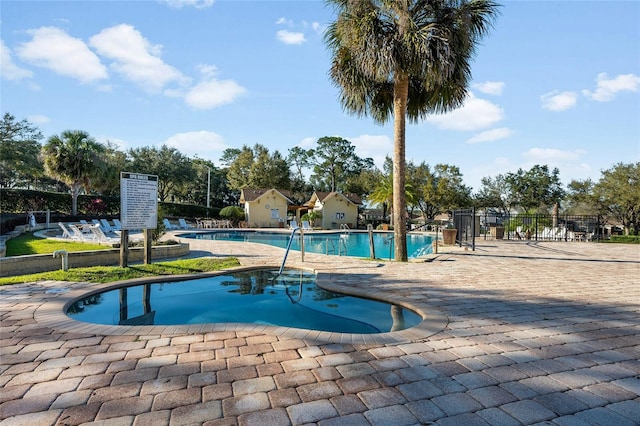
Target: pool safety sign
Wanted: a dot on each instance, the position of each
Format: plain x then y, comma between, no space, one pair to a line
138,201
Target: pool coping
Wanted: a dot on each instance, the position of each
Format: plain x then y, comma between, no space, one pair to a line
52,314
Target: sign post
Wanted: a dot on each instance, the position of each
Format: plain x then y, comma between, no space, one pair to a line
138,210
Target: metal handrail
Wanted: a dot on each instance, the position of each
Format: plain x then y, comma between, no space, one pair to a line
286,253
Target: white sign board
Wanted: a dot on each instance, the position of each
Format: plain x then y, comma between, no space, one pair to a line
138,201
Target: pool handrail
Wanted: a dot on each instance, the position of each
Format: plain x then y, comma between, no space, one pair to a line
286,253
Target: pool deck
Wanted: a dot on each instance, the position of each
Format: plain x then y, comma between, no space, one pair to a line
517,333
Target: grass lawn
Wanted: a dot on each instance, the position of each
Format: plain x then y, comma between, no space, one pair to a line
30,244
104,274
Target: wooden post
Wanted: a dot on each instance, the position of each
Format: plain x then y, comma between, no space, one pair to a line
148,235
372,249
124,248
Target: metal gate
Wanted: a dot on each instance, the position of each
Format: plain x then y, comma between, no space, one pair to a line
465,222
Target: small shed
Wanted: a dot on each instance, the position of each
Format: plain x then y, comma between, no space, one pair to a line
265,208
336,208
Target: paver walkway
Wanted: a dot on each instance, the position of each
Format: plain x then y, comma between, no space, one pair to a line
544,333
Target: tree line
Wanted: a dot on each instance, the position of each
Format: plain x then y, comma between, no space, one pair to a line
74,161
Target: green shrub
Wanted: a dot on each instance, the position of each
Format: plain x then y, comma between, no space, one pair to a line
233,213
626,239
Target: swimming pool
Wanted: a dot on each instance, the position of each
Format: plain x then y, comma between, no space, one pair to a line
350,243
256,296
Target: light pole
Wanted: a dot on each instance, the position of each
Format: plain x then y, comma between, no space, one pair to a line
208,188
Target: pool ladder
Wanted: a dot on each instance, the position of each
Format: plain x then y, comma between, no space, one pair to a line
331,244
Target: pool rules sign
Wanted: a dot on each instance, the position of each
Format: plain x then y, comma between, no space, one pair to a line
138,210
138,201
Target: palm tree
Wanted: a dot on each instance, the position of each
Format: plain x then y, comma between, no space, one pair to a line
406,59
383,195
75,158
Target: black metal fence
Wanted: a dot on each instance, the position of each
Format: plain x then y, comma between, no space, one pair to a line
527,227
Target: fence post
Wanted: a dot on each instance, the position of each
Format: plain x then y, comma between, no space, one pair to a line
473,229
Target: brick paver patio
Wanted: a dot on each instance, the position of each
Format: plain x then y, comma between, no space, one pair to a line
517,333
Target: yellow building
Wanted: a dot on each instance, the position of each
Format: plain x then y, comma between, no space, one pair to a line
336,209
265,208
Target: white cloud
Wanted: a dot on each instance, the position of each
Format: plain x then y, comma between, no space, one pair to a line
475,114
211,92
289,37
284,21
135,58
490,87
54,49
374,146
308,142
606,88
204,144
490,135
318,27
551,155
558,101
198,4
8,69
38,119
120,144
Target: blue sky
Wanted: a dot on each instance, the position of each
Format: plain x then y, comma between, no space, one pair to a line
555,82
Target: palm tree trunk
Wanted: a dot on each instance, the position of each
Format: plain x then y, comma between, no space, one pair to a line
400,95
75,189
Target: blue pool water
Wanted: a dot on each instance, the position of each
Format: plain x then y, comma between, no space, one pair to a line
335,243
256,296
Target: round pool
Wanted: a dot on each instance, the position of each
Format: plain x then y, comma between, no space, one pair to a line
258,296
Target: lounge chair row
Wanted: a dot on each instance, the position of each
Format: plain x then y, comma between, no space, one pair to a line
305,225
86,232
182,224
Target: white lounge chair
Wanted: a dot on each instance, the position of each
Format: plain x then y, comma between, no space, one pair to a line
117,225
100,236
66,232
306,226
84,226
293,224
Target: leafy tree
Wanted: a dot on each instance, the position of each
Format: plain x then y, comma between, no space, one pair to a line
364,183
535,188
115,161
19,152
229,155
299,159
334,161
618,194
420,177
405,59
75,158
495,194
580,199
172,168
445,191
239,168
257,168
269,170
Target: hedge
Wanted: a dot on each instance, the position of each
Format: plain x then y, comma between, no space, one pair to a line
16,203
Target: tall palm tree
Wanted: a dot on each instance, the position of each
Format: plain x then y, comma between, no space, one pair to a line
75,158
405,59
